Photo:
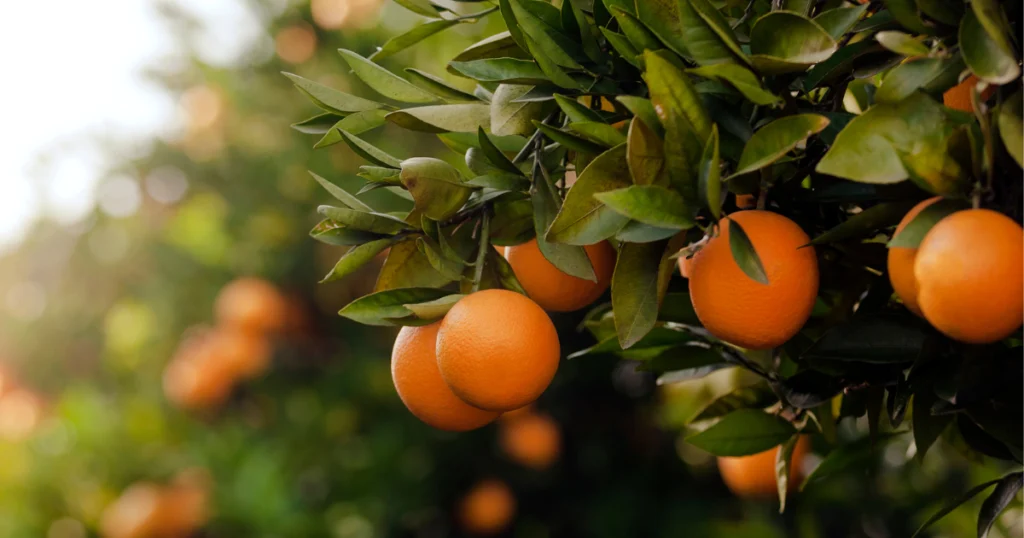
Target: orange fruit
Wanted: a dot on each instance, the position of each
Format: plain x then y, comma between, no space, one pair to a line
497,350
186,502
531,440
742,311
516,413
244,354
21,411
684,266
488,508
137,513
251,304
754,475
970,276
746,201
197,381
901,262
959,97
421,388
554,290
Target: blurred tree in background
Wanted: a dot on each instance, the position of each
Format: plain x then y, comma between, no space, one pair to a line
319,444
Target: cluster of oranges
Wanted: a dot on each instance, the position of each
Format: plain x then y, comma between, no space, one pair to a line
210,362
21,409
151,510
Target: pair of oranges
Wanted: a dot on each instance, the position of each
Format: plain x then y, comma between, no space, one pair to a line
967,275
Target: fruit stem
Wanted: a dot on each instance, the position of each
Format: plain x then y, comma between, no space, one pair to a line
485,240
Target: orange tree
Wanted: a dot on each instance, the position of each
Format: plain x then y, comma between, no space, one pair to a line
646,125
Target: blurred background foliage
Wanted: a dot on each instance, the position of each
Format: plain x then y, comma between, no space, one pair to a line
320,445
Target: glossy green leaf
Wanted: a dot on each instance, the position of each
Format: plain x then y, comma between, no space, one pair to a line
357,123
546,39
645,155
841,63
1005,492
330,99
782,42
740,78
638,232
434,310
386,307
341,194
644,110
985,56
838,21
866,223
501,45
504,70
744,253
927,427
509,117
710,181
385,82
743,432
370,152
651,205
901,43
947,12
571,141
584,220
623,46
662,18
1011,127
954,504
415,35
421,7
773,141
407,267
379,223
438,86
639,35
355,258
495,155
570,259
576,111
333,233
907,14
380,174
993,19
707,35
913,233
319,124
638,285
436,186
462,118
599,132
548,66
907,78
512,222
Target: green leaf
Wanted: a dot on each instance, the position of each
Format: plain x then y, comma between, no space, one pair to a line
512,223
644,110
841,63
599,132
707,36
385,308
1011,127
773,141
662,17
434,310
418,33
501,182
504,70
421,7
461,142
506,276
913,233
551,69
448,267
495,155
986,57
436,186
927,427
783,42
319,124
547,40
645,155
866,150
906,13
651,205
743,432
356,257
744,254
583,220
638,232
1002,496
783,458
570,259
838,21
907,78
878,339
901,43
569,140
407,267
333,233
738,77
846,457
687,125
341,194
947,12
370,152
622,46
385,82
710,184
575,111
638,285
954,504
866,223
438,86
357,123
576,22
380,174
378,223
993,19
462,118
509,117
638,34
330,99
501,45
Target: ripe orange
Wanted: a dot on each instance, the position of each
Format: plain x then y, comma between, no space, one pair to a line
244,354
137,513
197,382
742,311
186,502
531,440
421,388
497,350
488,508
685,266
746,201
901,262
959,97
970,275
754,475
554,290
251,304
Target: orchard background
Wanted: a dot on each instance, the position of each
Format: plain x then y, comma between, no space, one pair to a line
121,417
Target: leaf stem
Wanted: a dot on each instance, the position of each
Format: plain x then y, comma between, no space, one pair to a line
484,244
473,16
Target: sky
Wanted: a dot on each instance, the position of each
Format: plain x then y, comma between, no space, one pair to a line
74,76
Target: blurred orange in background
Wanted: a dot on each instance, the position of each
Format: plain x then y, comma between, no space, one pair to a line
487,508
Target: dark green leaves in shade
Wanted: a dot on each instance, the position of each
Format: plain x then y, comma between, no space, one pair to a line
1001,497
330,99
880,339
847,457
709,179
1011,127
771,142
740,78
388,308
743,432
783,42
954,504
583,219
913,233
927,427
865,223
744,253
838,21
